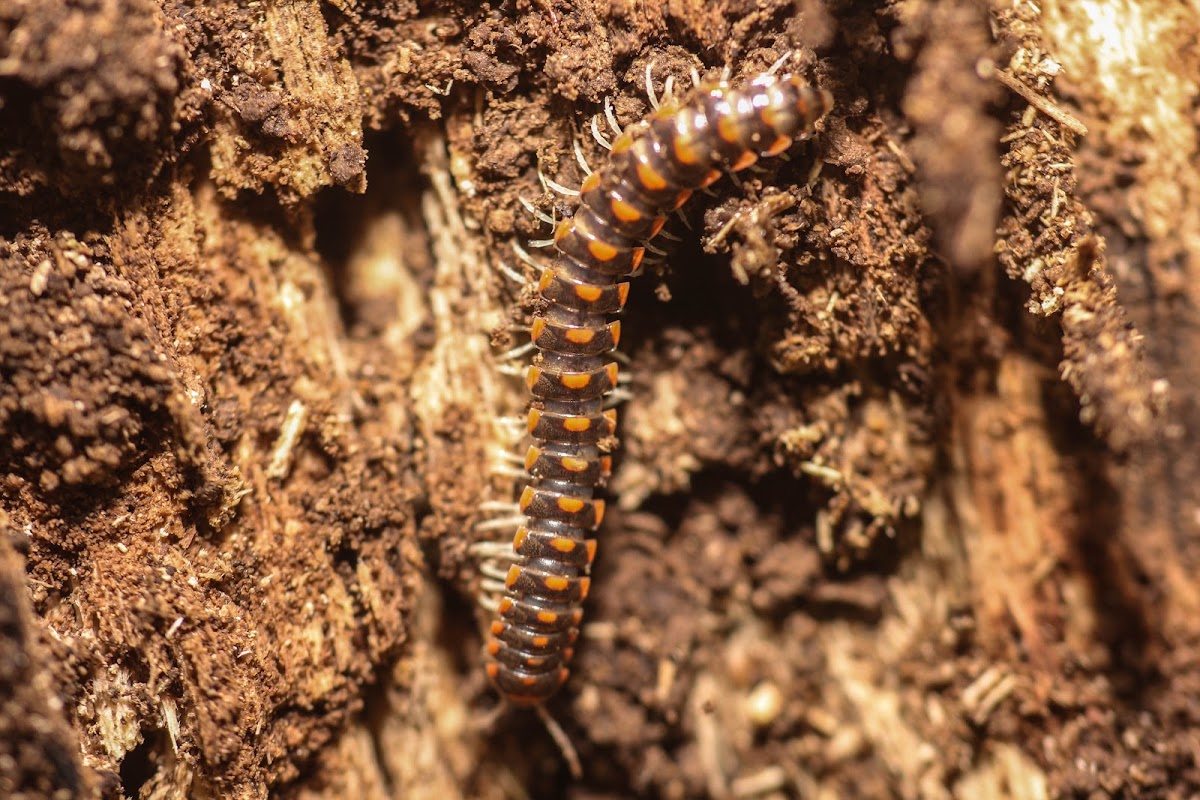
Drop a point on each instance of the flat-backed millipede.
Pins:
(652, 169)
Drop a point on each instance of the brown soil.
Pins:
(901, 510)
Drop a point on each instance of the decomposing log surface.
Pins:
(908, 479)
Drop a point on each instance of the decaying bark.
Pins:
(907, 501)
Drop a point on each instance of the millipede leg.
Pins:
(512, 274)
(517, 352)
(570, 754)
(493, 550)
(618, 397)
(779, 62)
(650, 85)
(582, 161)
(499, 524)
(505, 471)
(494, 572)
(599, 137)
(553, 185)
(506, 456)
(541, 216)
(611, 116)
(523, 254)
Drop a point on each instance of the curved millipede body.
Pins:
(652, 170)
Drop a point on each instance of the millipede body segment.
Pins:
(653, 168)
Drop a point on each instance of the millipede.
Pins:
(653, 168)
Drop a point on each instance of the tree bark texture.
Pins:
(907, 501)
